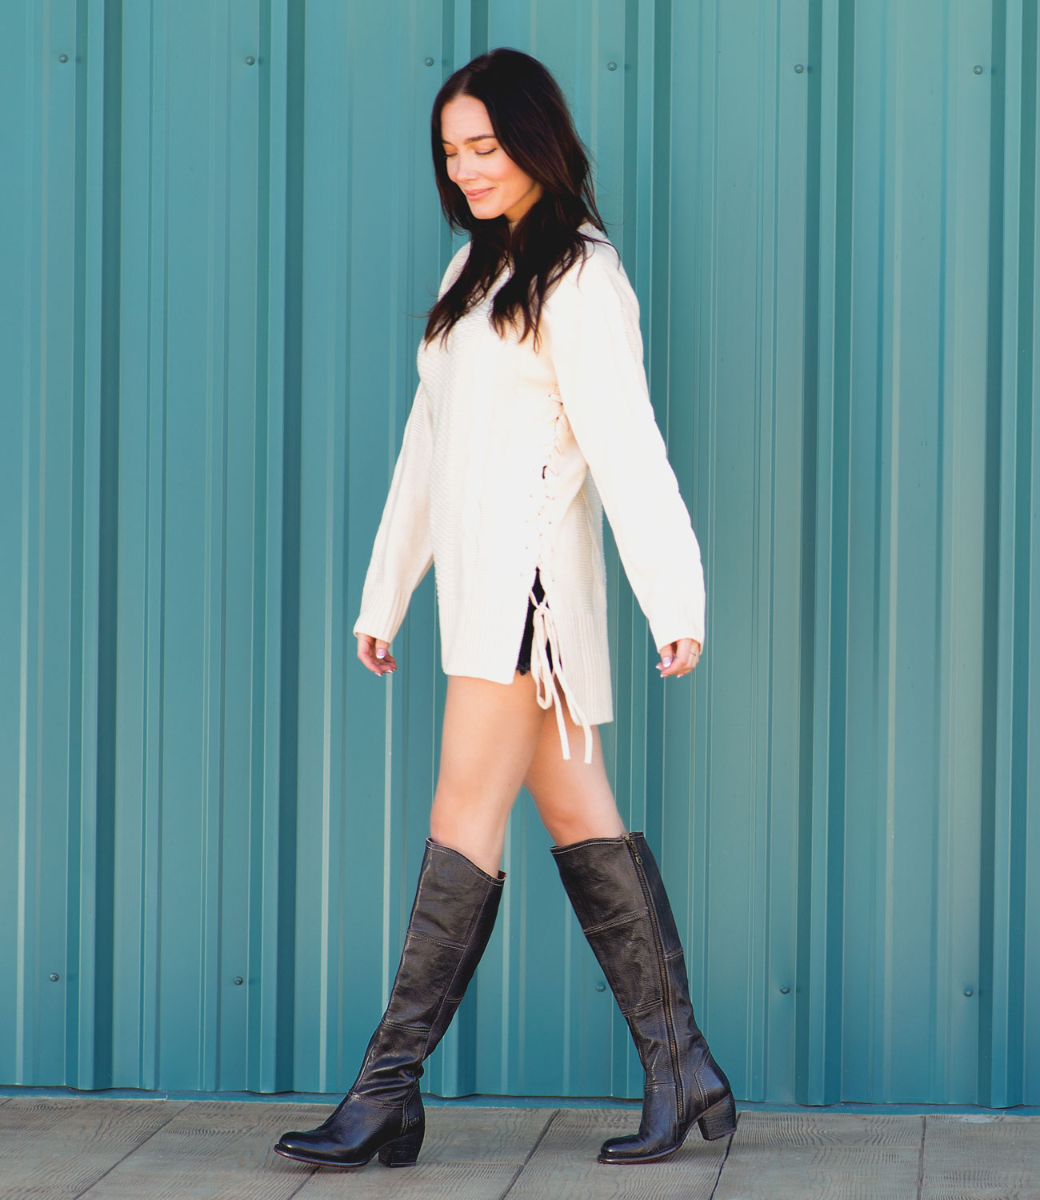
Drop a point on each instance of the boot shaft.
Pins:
(452, 918)
(615, 890)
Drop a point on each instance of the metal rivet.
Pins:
(428, 60)
(611, 66)
(969, 991)
(55, 978)
(784, 989)
(63, 58)
(238, 981)
(601, 987)
(978, 70)
(250, 60)
(798, 68)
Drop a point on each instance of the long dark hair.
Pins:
(530, 119)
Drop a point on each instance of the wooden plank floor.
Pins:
(827, 1156)
(64, 1149)
(980, 1158)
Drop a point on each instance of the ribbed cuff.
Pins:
(382, 612)
(676, 627)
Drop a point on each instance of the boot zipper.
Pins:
(666, 992)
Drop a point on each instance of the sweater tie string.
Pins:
(545, 686)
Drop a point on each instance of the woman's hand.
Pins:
(375, 654)
(679, 658)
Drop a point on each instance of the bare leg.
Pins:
(573, 797)
(488, 739)
(496, 737)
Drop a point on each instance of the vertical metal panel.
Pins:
(215, 269)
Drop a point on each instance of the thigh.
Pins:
(573, 797)
(488, 738)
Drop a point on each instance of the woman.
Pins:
(532, 406)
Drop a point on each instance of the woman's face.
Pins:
(492, 183)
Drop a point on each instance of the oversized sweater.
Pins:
(509, 457)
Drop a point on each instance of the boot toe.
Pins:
(294, 1145)
(293, 1142)
(318, 1149)
(619, 1150)
(633, 1150)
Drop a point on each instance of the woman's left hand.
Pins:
(679, 658)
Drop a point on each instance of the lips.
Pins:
(478, 194)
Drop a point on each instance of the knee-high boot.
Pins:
(621, 904)
(452, 917)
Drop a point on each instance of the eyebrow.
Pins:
(481, 137)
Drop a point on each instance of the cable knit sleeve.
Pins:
(402, 552)
(597, 350)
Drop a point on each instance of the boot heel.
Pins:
(720, 1120)
(404, 1151)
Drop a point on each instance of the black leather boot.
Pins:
(620, 901)
(452, 917)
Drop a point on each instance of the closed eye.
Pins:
(482, 153)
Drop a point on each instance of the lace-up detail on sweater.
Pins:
(545, 677)
(543, 671)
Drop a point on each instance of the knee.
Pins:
(457, 813)
(571, 821)
(469, 829)
(566, 832)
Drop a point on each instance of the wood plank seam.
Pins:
(530, 1154)
(725, 1158)
(133, 1150)
(303, 1182)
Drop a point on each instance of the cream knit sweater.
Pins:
(508, 459)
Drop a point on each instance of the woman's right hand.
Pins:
(375, 654)
(679, 658)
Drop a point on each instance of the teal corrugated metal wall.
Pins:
(219, 224)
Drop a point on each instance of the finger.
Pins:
(367, 646)
(381, 666)
(667, 664)
(677, 663)
(686, 657)
(692, 657)
(695, 654)
(682, 656)
(384, 657)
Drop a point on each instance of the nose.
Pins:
(465, 168)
